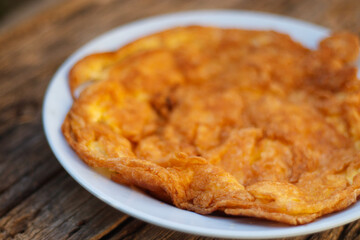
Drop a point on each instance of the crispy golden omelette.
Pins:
(249, 123)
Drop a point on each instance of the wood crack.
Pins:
(27, 172)
(350, 231)
(35, 213)
(28, 193)
(78, 227)
(117, 229)
(126, 229)
(344, 232)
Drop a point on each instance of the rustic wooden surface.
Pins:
(38, 199)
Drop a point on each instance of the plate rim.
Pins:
(296, 230)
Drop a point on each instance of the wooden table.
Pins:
(38, 199)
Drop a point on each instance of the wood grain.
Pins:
(38, 200)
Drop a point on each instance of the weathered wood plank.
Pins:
(351, 231)
(332, 234)
(40, 201)
(136, 229)
(100, 225)
(61, 209)
(128, 229)
(19, 162)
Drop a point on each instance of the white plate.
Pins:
(58, 101)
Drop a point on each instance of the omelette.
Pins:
(244, 122)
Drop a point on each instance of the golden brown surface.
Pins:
(245, 122)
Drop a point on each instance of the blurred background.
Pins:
(331, 13)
